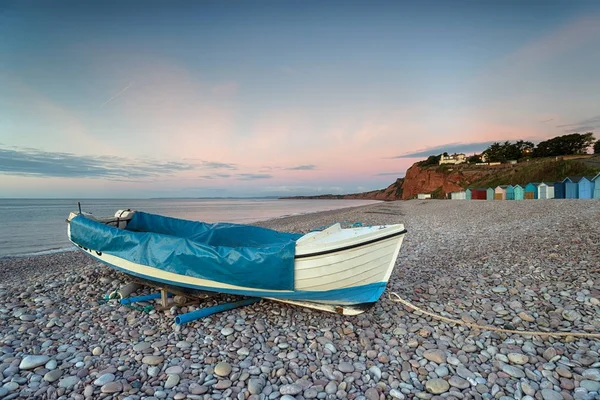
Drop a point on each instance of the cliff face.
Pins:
(440, 180)
(427, 180)
(392, 192)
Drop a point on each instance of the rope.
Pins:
(490, 328)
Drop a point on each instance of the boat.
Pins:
(344, 270)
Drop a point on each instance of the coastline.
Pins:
(526, 264)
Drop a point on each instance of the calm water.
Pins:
(33, 226)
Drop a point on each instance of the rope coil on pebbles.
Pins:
(399, 299)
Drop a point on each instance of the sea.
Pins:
(38, 226)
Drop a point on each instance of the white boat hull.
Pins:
(332, 268)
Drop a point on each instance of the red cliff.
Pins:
(429, 180)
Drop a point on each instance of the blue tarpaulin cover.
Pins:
(235, 254)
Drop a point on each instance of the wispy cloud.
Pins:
(581, 129)
(309, 167)
(126, 88)
(588, 124)
(251, 177)
(32, 162)
(390, 173)
(218, 165)
(215, 176)
(449, 148)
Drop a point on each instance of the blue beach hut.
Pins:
(571, 191)
(490, 194)
(519, 192)
(510, 192)
(531, 191)
(585, 187)
(596, 181)
(559, 190)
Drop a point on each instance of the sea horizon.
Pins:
(33, 226)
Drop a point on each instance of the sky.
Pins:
(277, 98)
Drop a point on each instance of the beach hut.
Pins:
(585, 187)
(510, 192)
(571, 191)
(545, 191)
(531, 191)
(468, 194)
(478, 194)
(596, 180)
(458, 195)
(500, 192)
(559, 190)
(490, 194)
(519, 192)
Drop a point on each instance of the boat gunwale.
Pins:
(351, 246)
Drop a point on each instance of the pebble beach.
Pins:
(520, 265)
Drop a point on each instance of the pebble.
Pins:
(591, 374)
(435, 355)
(591, 386)
(513, 371)
(518, 358)
(437, 386)
(548, 394)
(52, 376)
(31, 362)
(227, 331)
(112, 387)
(456, 260)
(172, 381)
(291, 389)
(104, 379)
(346, 367)
(153, 360)
(256, 386)
(223, 369)
(458, 382)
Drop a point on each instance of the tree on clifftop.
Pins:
(574, 143)
(508, 151)
(597, 147)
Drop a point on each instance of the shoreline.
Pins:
(66, 249)
(529, 265)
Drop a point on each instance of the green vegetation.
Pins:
(574, 143)
(548, 171)
(508, 151)
(431, 160)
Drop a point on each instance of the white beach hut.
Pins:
(545, 191)
(458, 195)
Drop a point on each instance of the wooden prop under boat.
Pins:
(342, 270)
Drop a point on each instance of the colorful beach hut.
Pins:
(468, 194)
(510, 192)
(490, 194)
(478, 194)
(585, 187)
(559, 190)
(519, 192)
(571, 191)
(545, 191)
(596, 180)
(531, 191)
(500, 192)
(458, 195)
